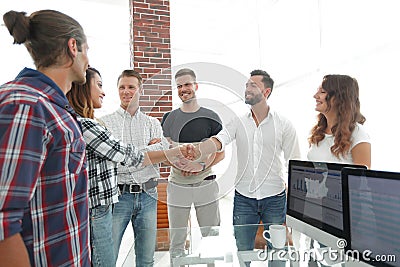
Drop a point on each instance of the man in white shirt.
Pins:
(262, 136)
(138, 186)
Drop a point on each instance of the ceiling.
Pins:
(111, 2)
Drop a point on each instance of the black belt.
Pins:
(138, 188)
(210, 178)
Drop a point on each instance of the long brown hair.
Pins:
(346, 101)
(80, 98)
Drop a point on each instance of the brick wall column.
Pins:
(151, 56)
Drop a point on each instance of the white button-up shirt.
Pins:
(261, 171)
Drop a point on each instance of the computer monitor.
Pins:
(372, 216)
(314, 203)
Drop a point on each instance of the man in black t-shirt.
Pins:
(191, 123)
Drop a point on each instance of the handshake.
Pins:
(192, 159)
(189, 161)
(190, 152)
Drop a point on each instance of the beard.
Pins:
(254, 100)
(80, 80)
(80, 77)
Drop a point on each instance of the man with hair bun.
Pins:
(43, 177)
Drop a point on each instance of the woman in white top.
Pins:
(339, 134)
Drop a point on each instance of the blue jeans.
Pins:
(101, 236)
(141, 210)
(247, 213)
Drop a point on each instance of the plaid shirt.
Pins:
(138, 129)
(103, 154)
(43, 178)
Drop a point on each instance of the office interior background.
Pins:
(297, 42)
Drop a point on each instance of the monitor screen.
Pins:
(372, 216)
(315, 194)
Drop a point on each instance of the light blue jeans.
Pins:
(247, 213)
(141, 210)
(101, 236)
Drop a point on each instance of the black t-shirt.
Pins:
(185, 127)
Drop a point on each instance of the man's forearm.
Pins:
(214, 159)
(218, 157)
(13, 252)
(209, 146)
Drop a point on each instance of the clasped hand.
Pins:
(188, 162)
(189, 152)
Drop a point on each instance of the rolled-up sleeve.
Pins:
(227, 134)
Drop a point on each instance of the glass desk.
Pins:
(218, 248)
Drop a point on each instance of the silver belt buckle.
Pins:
(135, 188)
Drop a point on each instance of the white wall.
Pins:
(106, 24)
(298, 42)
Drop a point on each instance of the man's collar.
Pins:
(249, 114)
(123, 112)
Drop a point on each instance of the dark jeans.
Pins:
(247, 213)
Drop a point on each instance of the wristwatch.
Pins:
(203, 165)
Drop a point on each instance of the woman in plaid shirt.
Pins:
(103, 153)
